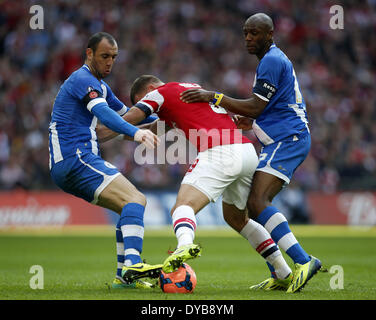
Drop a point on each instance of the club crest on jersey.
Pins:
(93, 94)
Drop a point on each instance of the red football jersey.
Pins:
(203, 124)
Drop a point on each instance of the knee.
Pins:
(137, 197)
(140, 198)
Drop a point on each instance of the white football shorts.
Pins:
(225, 170)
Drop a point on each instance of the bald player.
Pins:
(276, 112)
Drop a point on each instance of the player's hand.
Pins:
(243, 123)
(196, 95)
(147, 138)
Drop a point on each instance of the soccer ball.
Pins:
(182, 280)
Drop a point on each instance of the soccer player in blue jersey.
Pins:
(280, 124)
(75, 162)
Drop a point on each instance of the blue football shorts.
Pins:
(84, 175)
(282, 158)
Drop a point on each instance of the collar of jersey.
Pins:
(88, 69)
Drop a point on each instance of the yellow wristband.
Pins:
(217, 98)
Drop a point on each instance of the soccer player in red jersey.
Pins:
(224, 166)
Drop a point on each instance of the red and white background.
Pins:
(54, 208)
(351, 208)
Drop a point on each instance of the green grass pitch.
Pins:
(79, 263)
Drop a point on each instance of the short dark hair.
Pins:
(140, 84)
(97, 37)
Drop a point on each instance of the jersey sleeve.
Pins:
(151, 103)
(114, 103)
(88, 90)
(267, 78)
(113, 121)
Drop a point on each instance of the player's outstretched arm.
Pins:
(134, 115)
(142, 136)
(251, 107)
(114, 122)
(104, 134)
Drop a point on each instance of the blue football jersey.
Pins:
(285, 115)
(72, 124)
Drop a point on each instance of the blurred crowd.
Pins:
(192, 41)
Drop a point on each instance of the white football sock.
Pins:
(184, 224)
(262, 242)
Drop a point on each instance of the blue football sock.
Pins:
(132, 228)
(119, 249)
(279, 229)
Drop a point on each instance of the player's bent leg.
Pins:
(190, 195)
(124, 198)
(132, 227)
(265, 187)
(119, 282)
(95, 181)
(118, 193)
(189, 201)
(236, 215)
(261, 241)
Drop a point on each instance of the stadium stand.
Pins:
(196, 41)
